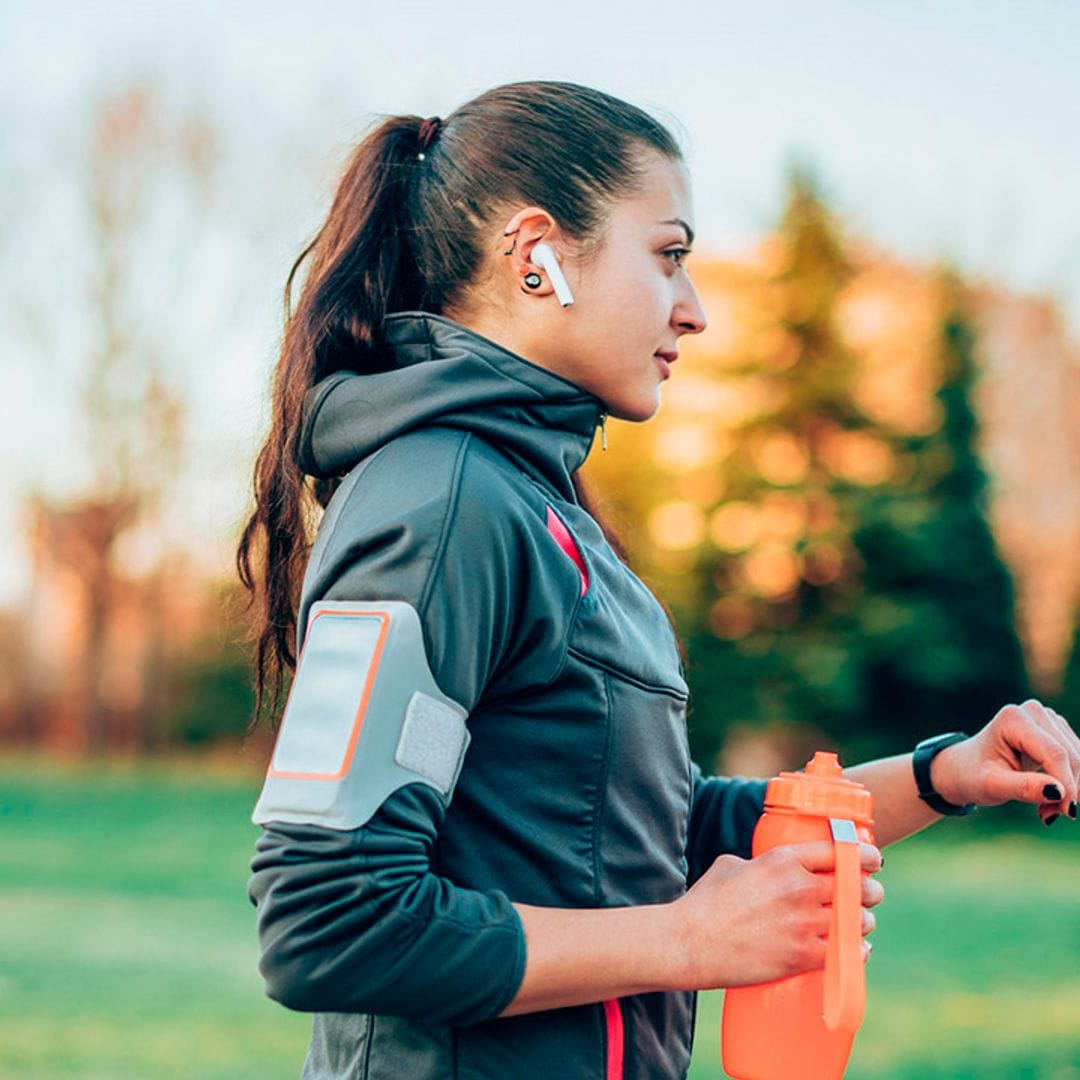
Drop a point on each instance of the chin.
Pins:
(634, 411)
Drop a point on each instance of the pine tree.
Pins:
(777, 645)
(937, 627)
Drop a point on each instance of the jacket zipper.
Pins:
(603, 431)
(615, 1039)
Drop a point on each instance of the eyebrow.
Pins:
(679, 221)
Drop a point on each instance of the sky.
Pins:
(936, 129)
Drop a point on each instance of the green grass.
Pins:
(128, 946)
(127, 943)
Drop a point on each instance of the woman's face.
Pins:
(633, 299)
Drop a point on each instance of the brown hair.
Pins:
(410, 233)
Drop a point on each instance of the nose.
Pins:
(688, 316)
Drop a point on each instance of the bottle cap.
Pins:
(821, 789)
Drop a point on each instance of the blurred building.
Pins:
(1029, 407)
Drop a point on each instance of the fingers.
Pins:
(1030, 787)
(869, 923)
(873, 892)
(870, 858)
(1031, 731)
(819, 856)
(1066, 767)
(1072, 747)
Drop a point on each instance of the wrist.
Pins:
(946, 776)
(679, 952)
(938, 767)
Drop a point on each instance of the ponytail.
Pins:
(353, 275)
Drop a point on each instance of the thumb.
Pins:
(1003, 784)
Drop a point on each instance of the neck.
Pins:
(525, 334)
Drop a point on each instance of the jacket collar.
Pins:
(442, 373)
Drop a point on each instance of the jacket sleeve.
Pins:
(357, 921)
(723, 813)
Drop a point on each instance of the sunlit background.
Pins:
(860, 499)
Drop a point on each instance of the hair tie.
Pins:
(429, 129)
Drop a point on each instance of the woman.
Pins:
(541, 890)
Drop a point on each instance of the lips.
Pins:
(670, 357)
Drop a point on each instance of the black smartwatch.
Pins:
(920, 762)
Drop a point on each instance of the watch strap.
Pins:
(924, 754)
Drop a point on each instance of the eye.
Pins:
(678, 253)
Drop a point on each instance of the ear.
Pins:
(521, 235)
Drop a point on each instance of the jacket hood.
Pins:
(442, 373)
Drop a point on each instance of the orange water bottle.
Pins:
(802, 1027)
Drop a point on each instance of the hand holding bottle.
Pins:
(752, 921)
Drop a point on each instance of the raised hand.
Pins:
(1027, 753)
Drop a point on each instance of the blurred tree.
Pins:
(79, 536)
(785, 574)
(215, 699)
(937, 627)
(1067, 702)
(132, 413)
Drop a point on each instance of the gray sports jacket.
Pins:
(395, 926)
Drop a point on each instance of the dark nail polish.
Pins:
(1052, 792)
(1071, 811)
(1051, 819)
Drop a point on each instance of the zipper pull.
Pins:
(603, 431)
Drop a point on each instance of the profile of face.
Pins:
(633, 299)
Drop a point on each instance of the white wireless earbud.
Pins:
(544, 257)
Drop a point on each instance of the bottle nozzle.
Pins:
(821, 788)
(824, 764)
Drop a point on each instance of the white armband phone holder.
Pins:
(364, 717)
